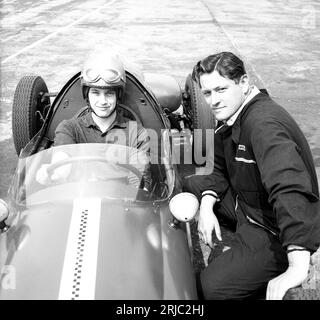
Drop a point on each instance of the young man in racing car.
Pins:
(264, 184)
(103, 82)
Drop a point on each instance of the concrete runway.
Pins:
(278, 39)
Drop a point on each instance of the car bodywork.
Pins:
(92, 238)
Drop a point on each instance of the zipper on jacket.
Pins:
(253, 221)
(236, 206)
(223, 125)
(260, 225)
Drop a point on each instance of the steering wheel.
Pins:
(71, 160)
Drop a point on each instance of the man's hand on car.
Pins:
(208, 221)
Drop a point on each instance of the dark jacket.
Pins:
(266, 160)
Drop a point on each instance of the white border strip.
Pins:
(63, 29)
(88, 270)
(244, 160)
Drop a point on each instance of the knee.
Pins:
(218, 287)
(211, 289)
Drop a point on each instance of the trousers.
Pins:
(256, 255)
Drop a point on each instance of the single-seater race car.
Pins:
(93, 235)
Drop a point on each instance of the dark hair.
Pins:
(226, 64)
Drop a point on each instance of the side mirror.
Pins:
(184, 206)
(4, 213)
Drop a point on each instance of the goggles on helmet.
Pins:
(109, 76)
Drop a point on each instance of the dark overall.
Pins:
(265, 178)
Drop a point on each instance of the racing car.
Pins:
(93, 235)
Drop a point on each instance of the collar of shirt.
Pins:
(254, 91)
(234, 123)
(119, 121)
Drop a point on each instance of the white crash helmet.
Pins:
(103, 70)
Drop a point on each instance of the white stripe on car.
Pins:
(78, 278)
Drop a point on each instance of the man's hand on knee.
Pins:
(296, 273)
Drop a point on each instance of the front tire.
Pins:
(28, 109)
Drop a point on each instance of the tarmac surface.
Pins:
(278, 40)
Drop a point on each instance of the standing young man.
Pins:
(264, 185)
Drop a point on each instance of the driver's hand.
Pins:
(61, 173)
(42, 175)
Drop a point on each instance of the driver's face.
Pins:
(102, 101)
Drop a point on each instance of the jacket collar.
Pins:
(236, 127)
(253, 92)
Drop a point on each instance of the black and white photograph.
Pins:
(159, 150)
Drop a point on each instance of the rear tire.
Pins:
(202, 118)
(26, 121)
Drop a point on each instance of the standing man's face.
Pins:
(223, 95)
(102, 101)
